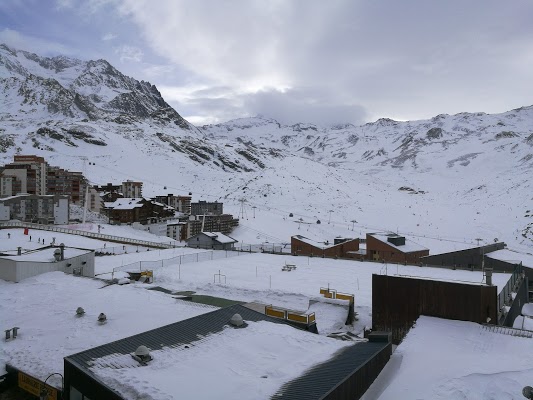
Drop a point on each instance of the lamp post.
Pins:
(44, 392)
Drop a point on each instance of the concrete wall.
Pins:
(61, 211)
(4, 212)
(8, 270)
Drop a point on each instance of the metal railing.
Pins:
(505, 297)
(505, 330)
(93, 235)
(182, 259)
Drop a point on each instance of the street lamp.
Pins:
(44, 392)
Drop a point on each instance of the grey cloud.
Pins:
(409, 59)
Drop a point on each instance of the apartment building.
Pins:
(40, 209)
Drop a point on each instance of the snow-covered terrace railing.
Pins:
(182, 259)
(505, 330)
(505, 298)
(100, 236)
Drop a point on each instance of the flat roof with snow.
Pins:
(125, 203)
(45, 312)
(219, 237)
(46, 254)
(320, 245)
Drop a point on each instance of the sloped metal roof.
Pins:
(176, 334)
(313, 384)
(320, 380)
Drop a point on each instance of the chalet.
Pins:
(391, 247)
(341, 247)
(137, 209)
(211, 240)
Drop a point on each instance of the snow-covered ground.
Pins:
(455, 360)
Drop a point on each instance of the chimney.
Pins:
(488, 276)
(19, 251)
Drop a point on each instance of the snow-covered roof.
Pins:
(219, 237)
(50, 329)
(262, 356)
(408, 247)
(512, 257)
(46, 254)
(127, 203)
(319, 245)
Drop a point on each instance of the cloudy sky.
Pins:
(297, 60)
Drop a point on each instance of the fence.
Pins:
(505, 297)
(274, 248)
(93, 235)
(182, 259)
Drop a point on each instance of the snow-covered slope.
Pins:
(453, 177)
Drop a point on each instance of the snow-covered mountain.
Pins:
(455, 177)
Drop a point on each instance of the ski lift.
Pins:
(318, 222)
(190, 193)
(164, 187)
(290, 215)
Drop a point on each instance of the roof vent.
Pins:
(102, 319)
(80, 311)
(237, 321)
(142, 355)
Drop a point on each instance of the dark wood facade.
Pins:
(301, 247)
(397, 302)
(146, 212)
(377, 250)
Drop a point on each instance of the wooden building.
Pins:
(391, 247)
(397, 302)
(129, 210)
(340, 248)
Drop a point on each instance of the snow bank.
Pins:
(448, 360)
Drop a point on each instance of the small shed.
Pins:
(18, 266)
(211, 240)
